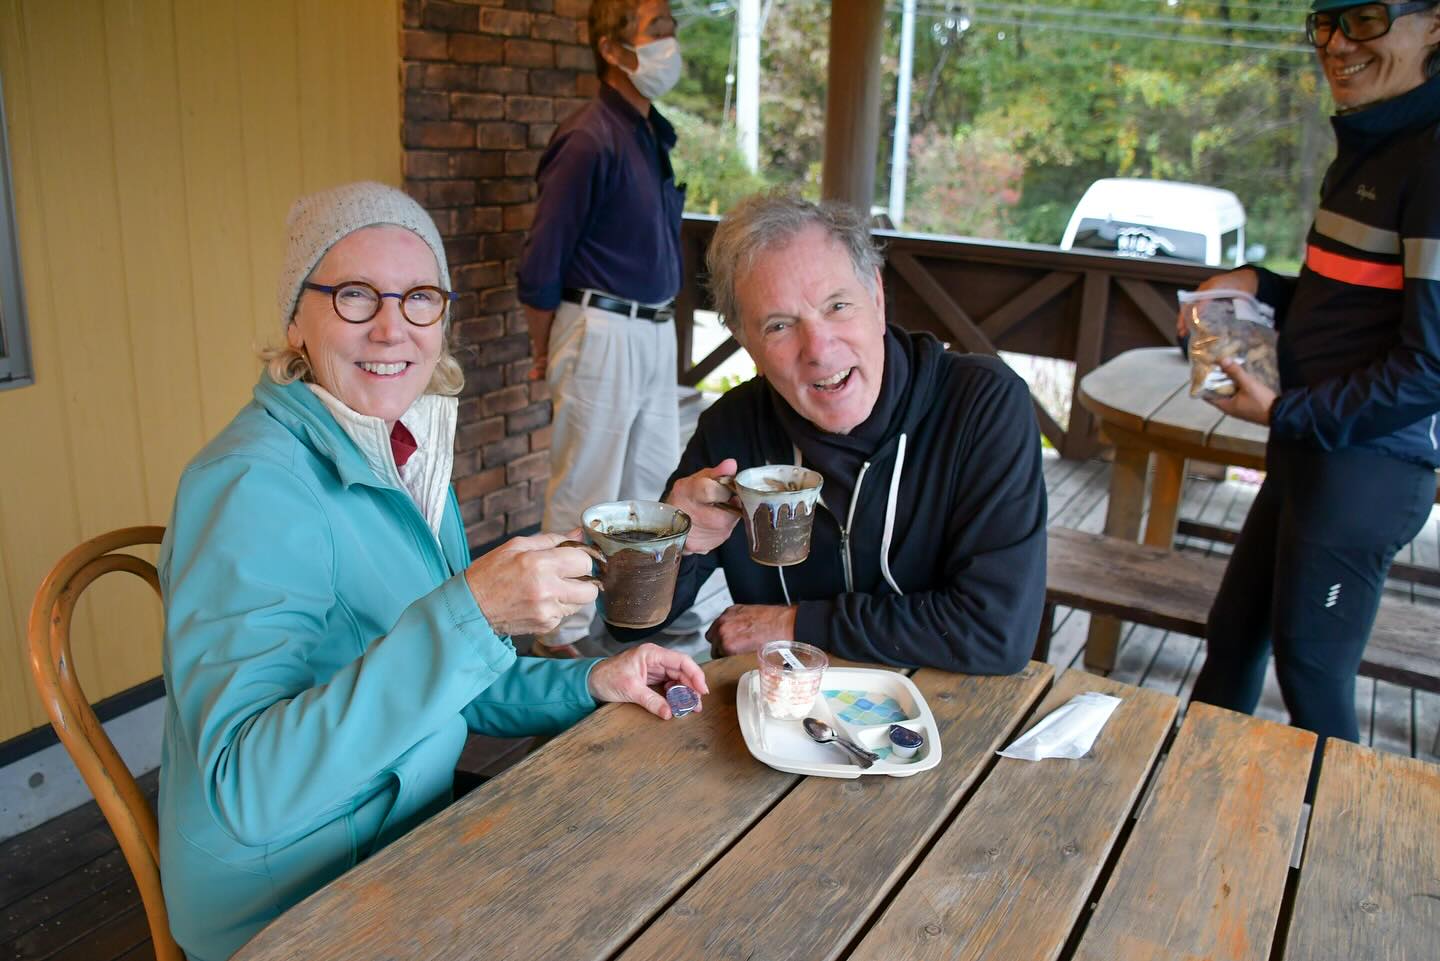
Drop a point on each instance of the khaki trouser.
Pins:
(616, 421)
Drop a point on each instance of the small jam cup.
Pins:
(790, 676)
(904, 742)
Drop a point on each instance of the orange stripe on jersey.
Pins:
(1348, 270)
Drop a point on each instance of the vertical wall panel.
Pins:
(271, 127)
(96, 416)
(217, 207)
(156, 145)
(35, 489)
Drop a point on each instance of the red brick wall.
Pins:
(486, 81)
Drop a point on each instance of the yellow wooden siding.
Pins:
(155, 148)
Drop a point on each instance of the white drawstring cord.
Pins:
(890, 516)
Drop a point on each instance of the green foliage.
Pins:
(966, 182)
(708, 160)
(719, 384)
(1018, 107)
(705, 43)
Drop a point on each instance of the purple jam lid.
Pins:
(682, 700)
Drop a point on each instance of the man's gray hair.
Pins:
(762, 222)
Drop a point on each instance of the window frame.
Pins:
(15, 365)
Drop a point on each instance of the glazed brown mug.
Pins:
(637, 546)
(777, 503)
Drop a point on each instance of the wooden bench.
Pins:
(1173, 590)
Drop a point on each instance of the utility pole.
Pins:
(747, 81)
(900, 149)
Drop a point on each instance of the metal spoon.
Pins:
(820, 731)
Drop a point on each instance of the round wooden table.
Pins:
(1142, 400)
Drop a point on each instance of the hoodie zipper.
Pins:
(845, 529)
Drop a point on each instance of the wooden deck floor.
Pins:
(1392, 718)
(66, 894)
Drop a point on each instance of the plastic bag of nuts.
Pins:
(1228, 324)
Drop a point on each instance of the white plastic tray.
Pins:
(785, 746)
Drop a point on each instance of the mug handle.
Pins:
(595, 554)
(728, 482)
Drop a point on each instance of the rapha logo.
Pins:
(1364, 192)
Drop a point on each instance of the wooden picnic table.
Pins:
(631, 838)
(1142, 401)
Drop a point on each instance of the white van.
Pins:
(1159, 218)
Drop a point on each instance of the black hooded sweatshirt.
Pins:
(937, 558)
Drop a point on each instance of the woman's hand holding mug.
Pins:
(528, 584)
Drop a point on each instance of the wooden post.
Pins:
(685, 303)
(852, 102)
(1089, 352)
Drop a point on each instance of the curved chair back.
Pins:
(120, 798)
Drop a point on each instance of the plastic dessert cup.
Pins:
(790, 676)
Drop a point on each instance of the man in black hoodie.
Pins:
(930, 547)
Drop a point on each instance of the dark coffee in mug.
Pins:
(640, 544)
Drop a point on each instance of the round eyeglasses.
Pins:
(1367, 21)
(357, 302)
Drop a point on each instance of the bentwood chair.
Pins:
(120, 798)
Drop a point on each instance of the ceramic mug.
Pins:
(777, 504)
(637, 546)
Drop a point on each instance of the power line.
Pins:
(1143, 35)
(938, 13)
(1016, 9)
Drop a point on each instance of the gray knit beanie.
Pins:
(320, 221)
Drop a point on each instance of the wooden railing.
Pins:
(984, 297)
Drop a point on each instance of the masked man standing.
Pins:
(598, 276)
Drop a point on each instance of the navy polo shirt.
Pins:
(608, 214)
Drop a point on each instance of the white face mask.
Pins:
(659, 68)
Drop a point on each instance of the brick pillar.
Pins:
(485, 84)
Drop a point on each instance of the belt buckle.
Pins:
(663, 314)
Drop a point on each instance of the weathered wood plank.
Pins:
(64, 891)
(121, 935)
(1368, 881)
(1427, 726)
(1402, 646)
(1073, 497)
(1080, 440)
(825, 857)
(999, 321)
(1204, 869)
(64, 844)
(955, 318)
(1241, 437)
(466, 883)
(77, 923)
(1159, 310)
(1123, 580)
(1122, 522)
(1011, 875)
(145, 951)
(1184, 418)
(1166, 489)
(1174, 590)
(1390, 719)
(25, 876)
(1127, 391)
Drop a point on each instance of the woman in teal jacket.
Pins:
(329, 643)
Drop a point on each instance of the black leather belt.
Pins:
(616, 305)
